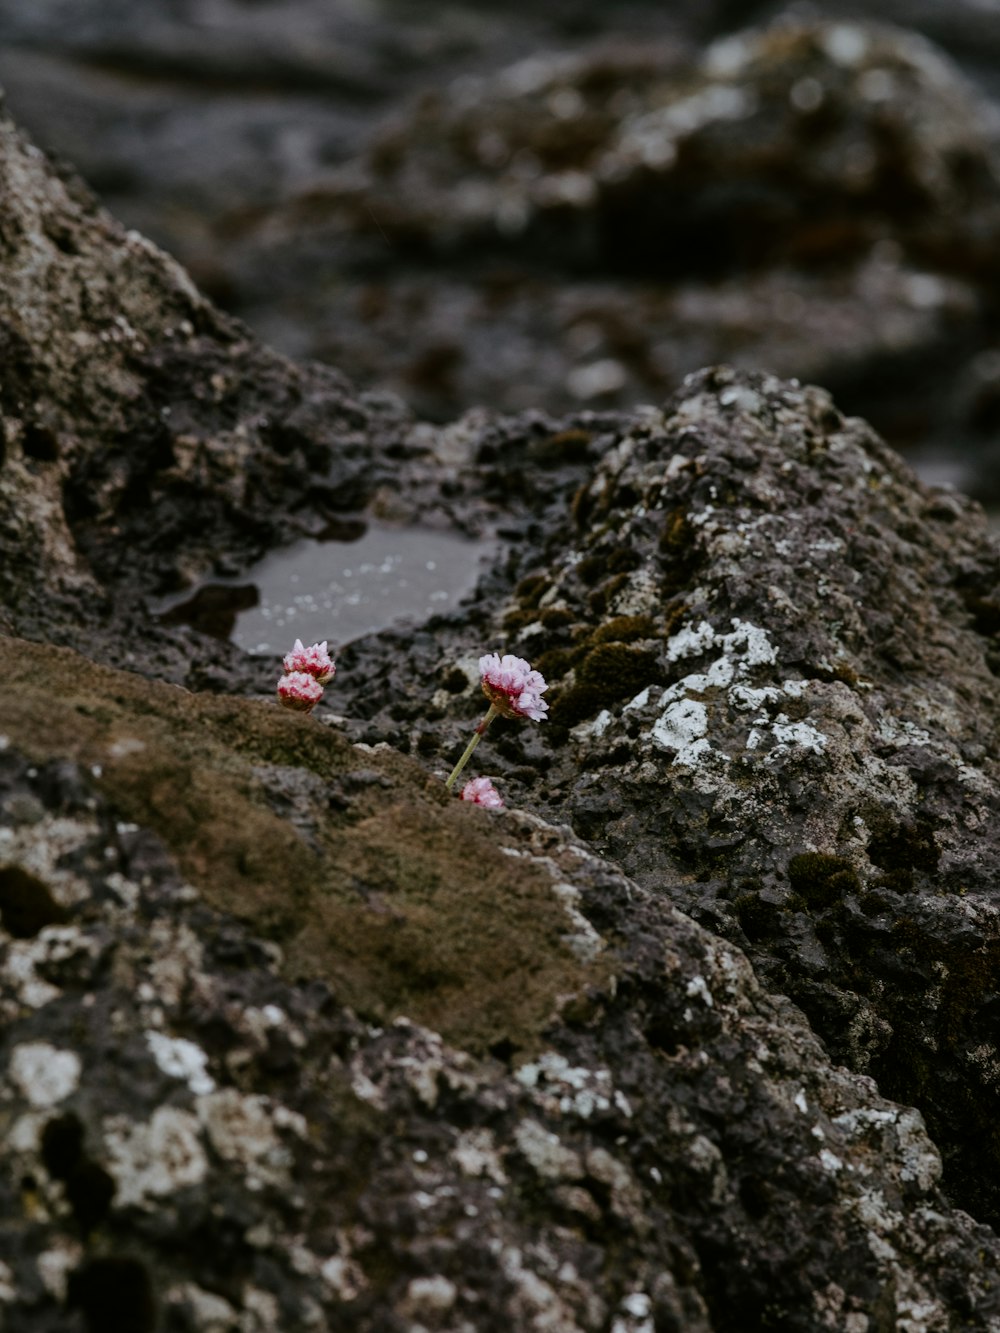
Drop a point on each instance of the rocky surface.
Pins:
(773, 661)
(402, 191)
(146, 438)
(213, 1123)
(820, 201)
(292, 1039)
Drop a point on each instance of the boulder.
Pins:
(773, 656)
(585, 228)
(147, 439)
(816, 195)
(293, 1039)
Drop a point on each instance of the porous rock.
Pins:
(820, 199)
(292, 1039)
(145, 438)
(772, 656)
(200, 1133)
(657, 210)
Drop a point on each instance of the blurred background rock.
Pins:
(568, 205)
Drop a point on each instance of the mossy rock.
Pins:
(624, 629)
(609, 673)
(530, 589)
(822, 880)
(556, 617)
(758, 918)
(601, 597)
(398, 895)
(900, 849)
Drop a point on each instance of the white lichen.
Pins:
(240, 1128)
(181, 1059)
(155, 1157)
(570, 1089)
(43, 1073)
(697, 986)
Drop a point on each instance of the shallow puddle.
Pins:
(335, 590)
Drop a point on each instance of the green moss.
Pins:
(555, 663)
(677, 535)
(582, 506)
(759, 919)
(623, 560)
(530, 589)
(900, 849)
(615, 669)
(624, 629)
(874, 903)
(896, 881)
(674, 614)
(590, 569)
(841, 671)
(600, 598)
(407, 906)
(680, 550)
(519, 617)
(556, 617)
(822, 880)
(607, 674)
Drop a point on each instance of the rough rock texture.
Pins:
(772, 658)
(578, 212)
(146, 439)
(819, 201)
(291, 1039)
(617, 1129)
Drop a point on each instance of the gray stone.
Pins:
(576, 205)
(293, 1039)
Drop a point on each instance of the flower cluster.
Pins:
(307, 670)
(299, 690)
(315, 661)
(514, 690)
(481, 791)
(512, 687)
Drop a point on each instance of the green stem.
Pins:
(477, 736)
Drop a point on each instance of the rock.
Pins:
(773, 664)
(585, 230)
(963, 29)
(190, 123)
(605, 204)
(219, 1122)
(293, 1039)
(147, 439)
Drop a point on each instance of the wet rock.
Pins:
(147, 440)
(190, 123)
(822, 200)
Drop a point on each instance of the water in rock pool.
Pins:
(335, 590)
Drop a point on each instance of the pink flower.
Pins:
(300, 690)
(313, 661)
(481, 791)
(512, 687)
